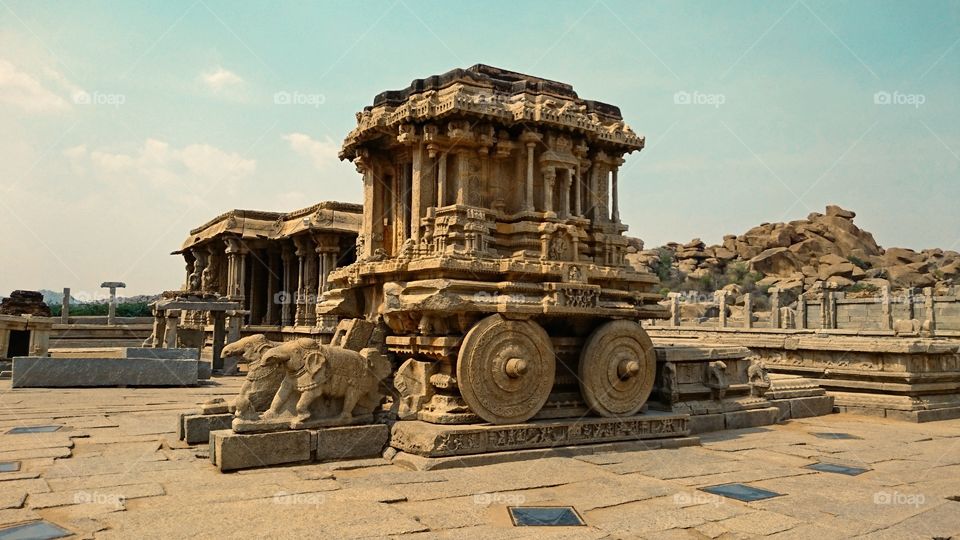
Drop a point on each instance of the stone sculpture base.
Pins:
(433, 440)
(231, 451)
(196, 428)
(910, 409)
(421, 463)
(285, 423)
(45, 372)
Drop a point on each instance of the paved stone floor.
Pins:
(113, 471)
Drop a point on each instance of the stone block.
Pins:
(705, 423)
(806, 407)
(204, 370)
(38, 371)
(351, 442)
(933, 415)
(751, 418)
(230, 451)
(784, 406)
(196, 428)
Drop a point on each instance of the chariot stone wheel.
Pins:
(505, 369)
(617, 369)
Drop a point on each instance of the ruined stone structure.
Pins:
(274, 265)
(493, 252)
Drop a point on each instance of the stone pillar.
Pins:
(832, 320)
(577, 188)
(721, 297)
(801, 313)
(911, 306)
(234, 322)
(442, 181)
(747, 311)
(218, 338)
(565, 194)
(886, 323)
(159, 329)
(39, 342)
(170, 332)
(113, 286)
(549, 179)
(65, 306)
(775, 321)
(304, 252)
(930, 320)
(463, 171)
(253, 303)
(674, 309)
(615, 200)
(272, 279)
(4, 342)
(286, 311)
(528, 193)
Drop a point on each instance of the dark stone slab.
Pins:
(44, 372)
(741, 492)
(35, 530)
(545, 516)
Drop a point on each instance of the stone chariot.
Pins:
(492, 251)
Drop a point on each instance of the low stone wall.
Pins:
(121, 367)
(907, 312)
(916, 379)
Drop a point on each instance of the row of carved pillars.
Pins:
(277, 286)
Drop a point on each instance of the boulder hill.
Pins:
(797, 257)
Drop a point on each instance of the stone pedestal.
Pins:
(433, 440)
(231, 451)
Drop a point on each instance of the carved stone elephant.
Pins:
(262, 382)
(315, 372)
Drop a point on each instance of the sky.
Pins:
(125, 124)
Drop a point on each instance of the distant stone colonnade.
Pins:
(273, 265)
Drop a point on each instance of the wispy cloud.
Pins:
(173, 173)
(220, 79)
(27, 92)
(321, 153)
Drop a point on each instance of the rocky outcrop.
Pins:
(800, 255)
(25, 303)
